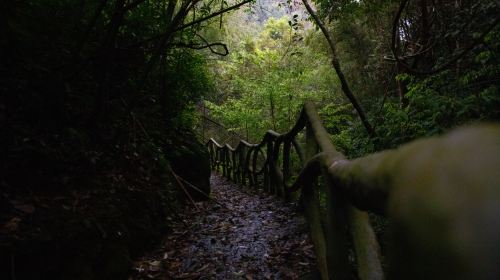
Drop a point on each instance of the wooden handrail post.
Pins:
(254, 164)
(272, 174)
(337, 251)
(215, 153)
(366, 245)
(267, 169)
(277, 172)
(224, 162)
(231, 164)
(273, 167)
(246, 167)
(236, 156)
(310, 202)
(238, 165)
(241, 165)
(230, 158)
(217, 159)
(227, 160)
(287, 145)
(222, 157)
(234, 164)
(212, 156)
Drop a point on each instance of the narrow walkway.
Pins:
(240, 234)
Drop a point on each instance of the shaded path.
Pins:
(243, 235)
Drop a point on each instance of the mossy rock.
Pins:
(190, 161)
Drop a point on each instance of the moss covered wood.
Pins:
(380, 183)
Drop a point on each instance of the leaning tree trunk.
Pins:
(336, 65)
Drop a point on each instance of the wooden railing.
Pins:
(241, 165)
(349, 186)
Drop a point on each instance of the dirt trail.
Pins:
(240, 234)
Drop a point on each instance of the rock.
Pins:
(190, 161)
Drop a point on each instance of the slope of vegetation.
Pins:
(96, 108)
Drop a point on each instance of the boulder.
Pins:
(191, 162)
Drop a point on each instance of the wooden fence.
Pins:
(350, 187)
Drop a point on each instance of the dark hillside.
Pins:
(88, 135)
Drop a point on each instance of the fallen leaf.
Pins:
(26, 208)
(154, 266)
(12, 225)
(202, 268)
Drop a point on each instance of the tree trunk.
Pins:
(336, 65)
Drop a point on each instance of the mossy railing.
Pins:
(330, 240)
(364, 184)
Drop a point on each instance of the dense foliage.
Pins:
(267, 79)
(444, 73)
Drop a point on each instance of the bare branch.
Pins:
(194, 22)
(340, 74)
(213, 15)
(206, 45)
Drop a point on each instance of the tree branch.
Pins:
(336, 65)
(206, 45)
(174, 25)
(156, 37)
(444, 66)
(213, 15)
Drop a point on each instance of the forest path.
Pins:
(241, 233)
